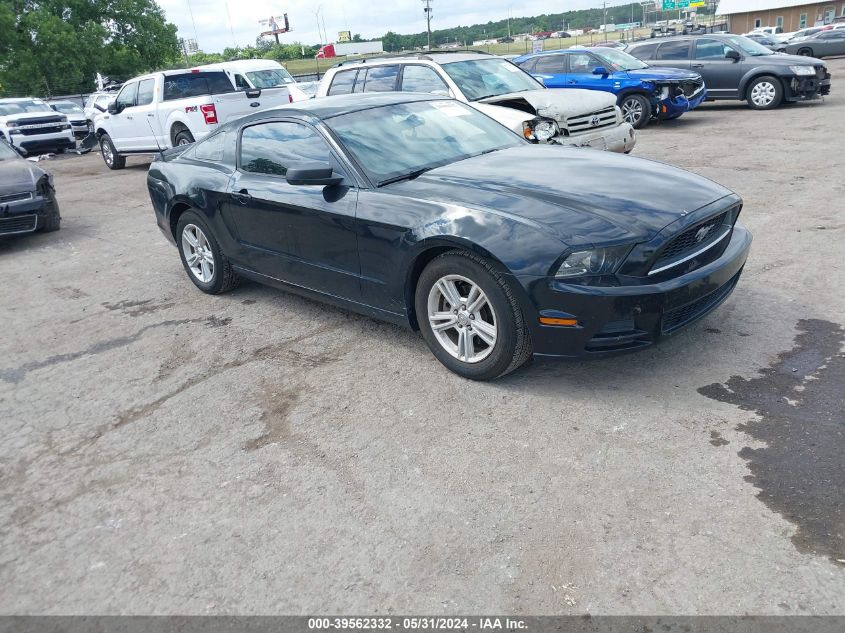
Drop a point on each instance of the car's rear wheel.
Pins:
(636, 110)
(469, 317)
(765, 93)
(201, 256)
(806, 52)
(111, 158)
(184, 138)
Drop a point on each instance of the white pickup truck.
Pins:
(176, 107)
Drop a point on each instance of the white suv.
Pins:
(499, 89)
(33, 126)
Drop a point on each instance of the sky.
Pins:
(370, 18)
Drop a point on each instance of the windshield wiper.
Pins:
(409, 176)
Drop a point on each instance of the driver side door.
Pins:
(579, 72)
(122, 124)
(721, 74)
(301, 234)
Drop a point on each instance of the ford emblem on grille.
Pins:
(701, 233)
(595, 120)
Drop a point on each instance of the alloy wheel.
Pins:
(198, 255)
(108, 155)
(632, 111)
(462, 318)
(763, 93)
(184, 141)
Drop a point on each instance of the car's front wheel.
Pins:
(470, 318)
(111, 158)
(636, 110)
(765, 93)
(202, 258)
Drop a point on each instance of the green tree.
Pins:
(52, 47)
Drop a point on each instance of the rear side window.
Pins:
(342, 82)
(211, 148)
(710, 49)
(551, 64)
(381, 79)
(645, 51)
(417, 78)
(673, 50)
(196, 85)
(145, 91)
(270, 148)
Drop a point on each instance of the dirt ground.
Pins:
(169, 452)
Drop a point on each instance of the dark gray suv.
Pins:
(736, 67)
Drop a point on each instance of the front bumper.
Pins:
(34, 143)
(617, 319)
(621, 138)
(28, 215)
(672, 108)
(806, 88)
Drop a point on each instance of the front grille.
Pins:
(40, 120)
(691, 87)
(18, 224)
(693, 239)
(16, 197)
(617, 336)
(592, 121)
(679, 317)
(41, 130)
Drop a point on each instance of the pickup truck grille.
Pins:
(41, 121)
(592, 121)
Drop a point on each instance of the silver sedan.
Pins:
(823, 44)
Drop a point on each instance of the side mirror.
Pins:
(316, 173)
(733, 55)
(113, 108)
(600, 70)
(252, 93)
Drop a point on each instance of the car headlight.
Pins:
(597, 261)
(803, 70)
(539, 129)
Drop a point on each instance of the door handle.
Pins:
(129, 118)
(697, 66)
(572, 81)
(151, 114)
(242, 196)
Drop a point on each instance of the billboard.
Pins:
(344, 36)
(276, 24)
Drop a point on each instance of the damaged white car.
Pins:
(496, 87)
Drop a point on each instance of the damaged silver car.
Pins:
(499, 89)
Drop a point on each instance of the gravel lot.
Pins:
(170, 452)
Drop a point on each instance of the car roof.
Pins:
(328, 107)
(439, 57)
(21, 99)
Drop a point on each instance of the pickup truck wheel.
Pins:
(184, 138)
(636, 110)
(202, 258)
(111, 158)
(765, 93)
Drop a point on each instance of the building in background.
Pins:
(791, 15)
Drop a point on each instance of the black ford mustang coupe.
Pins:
(27, 198)
(422, 211)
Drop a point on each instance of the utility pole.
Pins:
(427, 10)
(604, 8)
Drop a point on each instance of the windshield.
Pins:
(23, 107)
(483, 78)
(748, 46)
(269, 78)
(68, 108)
(398, 140)
(6, 152)
(618, 60)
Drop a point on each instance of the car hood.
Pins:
(18, 175)
(578, 195)
(666, 74)
(26, 116)
(790, 60)
(557, 104)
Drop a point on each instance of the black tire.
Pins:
(223, 278)
(806, 52)
(513, 339)
(636, 103)
(771, 93)
(183, 138)
(111, 158)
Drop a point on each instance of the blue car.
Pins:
(643, 92)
